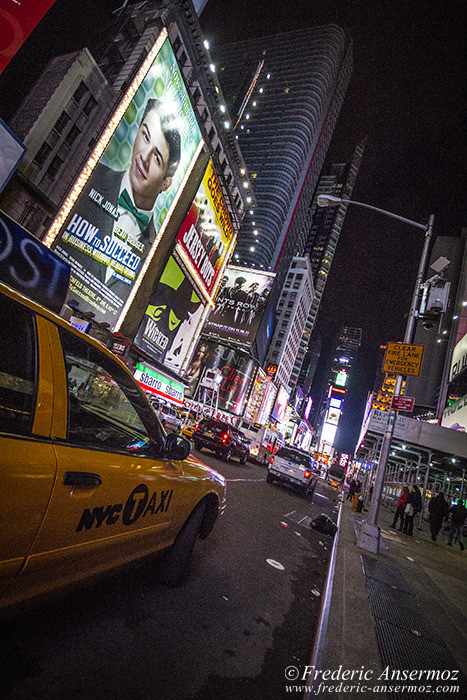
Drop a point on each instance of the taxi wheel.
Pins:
(308, 492)
(269, 478)
(174, 562)
(228, 455)
(197, 446)
(244, 459)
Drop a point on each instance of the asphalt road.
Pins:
(248, 609)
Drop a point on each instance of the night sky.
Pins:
(406, 96)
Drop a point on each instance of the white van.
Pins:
(264, 442)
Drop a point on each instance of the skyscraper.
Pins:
(284, 94)
(318, 240)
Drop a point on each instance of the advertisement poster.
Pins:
(257, 395)
(171, 318)
(280, 406)
(240, 304)
(237, 370)
(114, 223)
(207, 231)
(29, 266)
(17, 20)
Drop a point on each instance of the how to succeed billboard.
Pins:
(116, 221)
(240, 304)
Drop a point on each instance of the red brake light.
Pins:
(225, 437)
(271, 460)
(307, 474)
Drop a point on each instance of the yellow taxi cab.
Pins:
(89, 480)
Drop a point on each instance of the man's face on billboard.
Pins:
(149, 162)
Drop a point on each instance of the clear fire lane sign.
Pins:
(400, 358)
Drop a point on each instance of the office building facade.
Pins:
(284, 94)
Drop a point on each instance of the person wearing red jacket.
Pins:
(400, 510)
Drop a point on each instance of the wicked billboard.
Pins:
(236, 369)
(240, 304)
(127, 194)
(172, 317)
(206, 232)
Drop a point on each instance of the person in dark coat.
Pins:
(414, 499)
(400, 510)
(353, 489)
(438, 508)
(458, 515)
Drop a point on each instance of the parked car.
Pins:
(294, 467)
(168, 416)
(89, 479)
(222, 438)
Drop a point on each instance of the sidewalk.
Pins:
(405, 608)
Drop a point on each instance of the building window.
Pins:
(61, 122)
(54, 167)
(42, 154)
(80, 92)
(72, 135)
(89, 106)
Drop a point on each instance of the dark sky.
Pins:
(406, 96)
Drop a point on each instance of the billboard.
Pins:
(30, 267)
(240, 304)
(171, 318)
(127, 194)
(159, 384)
(237, 370)
(11, 152)
(16, 23)
(280, 405)
(206, 232)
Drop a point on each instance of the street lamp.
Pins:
(368, 537)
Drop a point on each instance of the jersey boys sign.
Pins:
(207, 230)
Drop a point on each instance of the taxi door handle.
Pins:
(81, 479)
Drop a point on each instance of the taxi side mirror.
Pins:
(176, 447)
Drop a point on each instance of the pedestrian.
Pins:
(438, 508)
(352, 489)
(400, 509)
(458, 515)
(414, 506)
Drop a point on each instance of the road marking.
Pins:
(321, 496)
(275, 564)
(244, 479)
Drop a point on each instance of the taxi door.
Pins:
(112, 501)
(27, 457)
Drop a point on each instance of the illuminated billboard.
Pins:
(280, 405)
(236, 368)
(112, 222)
(206, 233)
(17, 20)
(29, 266)
(240, 304)
(171, 318)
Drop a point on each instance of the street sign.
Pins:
(402, 403)
(400, 358)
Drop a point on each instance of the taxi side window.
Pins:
(18, 366)
(100, 413)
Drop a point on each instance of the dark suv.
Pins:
(222, 438)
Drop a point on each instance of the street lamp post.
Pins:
(369, 535)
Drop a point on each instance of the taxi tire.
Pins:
(269, 478)
(196, 445)
(244, 459)
(174, 562)
(228, 455)
(308, 492)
